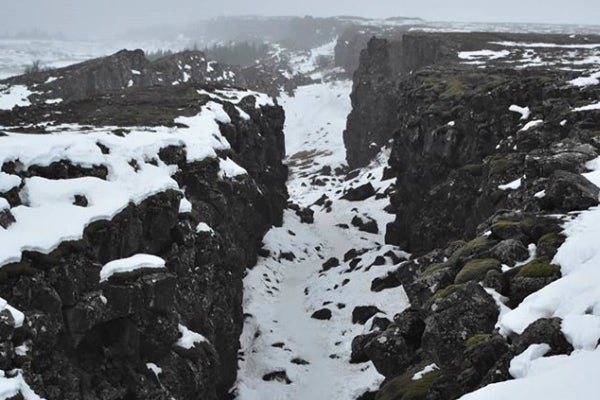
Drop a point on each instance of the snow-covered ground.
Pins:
(312, 356)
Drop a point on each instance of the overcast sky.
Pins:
(105, 16)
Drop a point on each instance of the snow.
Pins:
(54, 101)
(590, 107)
(483, 54)
(51, 201)
(514, 185)
(540, 195)
(532, 124)
(429, 368)
(14, 96)
(524, 111)
(550, 378)
(8, 182)
(130, 264)
(584, 81)
(229, 169)
(17, 315)
(189, 338)
(521, 364)
(575, 298)
(548, 45)
(318, 137)
(11, 387)
(185, 206)
(51, 79)
(203, 227)
(156, 370)
(280, 295)
(236, 95)
(135, 72)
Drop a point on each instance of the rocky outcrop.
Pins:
(128, 68)
(127, 337)
(392, 57)
(481, 187)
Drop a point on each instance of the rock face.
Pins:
(391, 58)
(122, 338)
(128, 68)
(479, 194)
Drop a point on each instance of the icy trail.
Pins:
(286, 354)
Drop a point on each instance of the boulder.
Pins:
(359, 193)
(566, 191)
(456, 316)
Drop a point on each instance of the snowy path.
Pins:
(302, 357)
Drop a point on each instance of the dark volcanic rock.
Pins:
(545, 330)
(566, 191)
(455, 318)
(322, 314)
(365, 224)
(359, 193)
(91, 339)
(361, 314)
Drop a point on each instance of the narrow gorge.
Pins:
(394, 214)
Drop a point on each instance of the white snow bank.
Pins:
(483, 54)
(7, 182)
(17, 315)
(584, 81)
(10, 387)
(154, 368)
(49, 203)
(185, 206)
(532, 124)
(521, 364)
(203, 227)
(189, 338)
(14, 96)
(514, 185)
(229, 169)
(590, 107)
(524, 111)
(548, 45)
(236, 95)
(133, 263)
(429, 368)
(550, 378)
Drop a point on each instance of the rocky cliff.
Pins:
(131, 68)
(488, 162)
(142, 332)
(395, 55)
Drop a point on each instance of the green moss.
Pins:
(478, 243)
(549, 238)
(473, 340)
(541, 267)
(499, 166)
(476, 269)
(473, 169)
(447, 291)
(527, 225)
(405, 388)
(502, 224)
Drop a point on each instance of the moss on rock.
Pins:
(476, 269)
(541, 267)
(405, 388)
(473, 340)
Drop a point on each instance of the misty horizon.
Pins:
(112, 18)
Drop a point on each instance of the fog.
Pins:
(88, 18)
